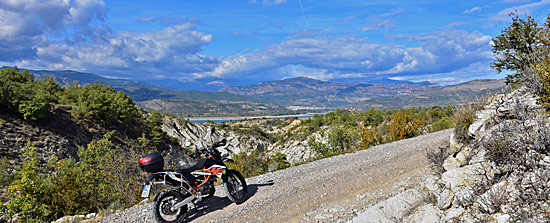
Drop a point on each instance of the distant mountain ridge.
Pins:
(65, 77)
(185, 103)
(308, 92)
(283, 96)
(448, 95)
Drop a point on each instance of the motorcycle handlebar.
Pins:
(203, 150)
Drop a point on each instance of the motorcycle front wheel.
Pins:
(163, 204)
(235, 186)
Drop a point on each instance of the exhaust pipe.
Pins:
(183, 203)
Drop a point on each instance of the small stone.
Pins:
(454, 213)
(501, 218)
(451, 163)
(445, 199)
(91, 215)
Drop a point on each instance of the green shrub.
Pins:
(100, 102)
(21, 93)
(442, 124)
(5, 176)
(31, 191)
(249, 165)
(102, 177)
(280, 160)
(463, 118)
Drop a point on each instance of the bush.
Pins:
(100, 102)
(249, 165)
(403, 126)
(279, 159)
(30, 192)
(463, 118)
(437, 157)
(102, 177)
(442, 124)
(370, 137)
(21, 93)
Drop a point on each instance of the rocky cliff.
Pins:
(497, 172)
(201, 135)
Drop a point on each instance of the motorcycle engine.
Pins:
(207, 189)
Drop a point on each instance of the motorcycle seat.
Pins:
(197, 166)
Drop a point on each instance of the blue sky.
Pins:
(258, 40)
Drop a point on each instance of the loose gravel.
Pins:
(327, 190)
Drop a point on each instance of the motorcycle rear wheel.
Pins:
(163, 202)
(235, 186)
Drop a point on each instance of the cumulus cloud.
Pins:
(472, 10)
(174, 49)
(89, 44)
(24, 23)
(353, 56)
(85, 42)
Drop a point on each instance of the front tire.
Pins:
(163, 202)
(235, 186)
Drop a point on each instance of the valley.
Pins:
(291, 96)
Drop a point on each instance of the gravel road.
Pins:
(328, 190)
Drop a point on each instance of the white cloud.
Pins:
(526, 9)
(24, 23)
(273, 2)
(440, 52)
(92, 46)
(377, 25)
(472, 10)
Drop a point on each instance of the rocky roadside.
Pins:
(499, 174)
(335, 189)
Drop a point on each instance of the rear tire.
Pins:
(163, 202)
(235, 186)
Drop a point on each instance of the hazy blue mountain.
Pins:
(312, 93)
(65, 77)
(448, 95)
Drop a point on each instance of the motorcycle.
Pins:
(190, 185)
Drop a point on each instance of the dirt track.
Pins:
(327, 190)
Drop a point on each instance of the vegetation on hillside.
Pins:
(102, 176)
(337, 132)
(524, 48)
(516, 142)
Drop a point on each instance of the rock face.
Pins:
(200, 135)
(57, 134)
(500, 175)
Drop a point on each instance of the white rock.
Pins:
(454, 213)
(426, 214)
(501, 218)
(91, 215)
(451, 163)
(483, 117)
(445, 199)
(395, 207)
(459, 177)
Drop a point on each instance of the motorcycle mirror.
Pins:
(187, 143)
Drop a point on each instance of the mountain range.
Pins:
(308, 92)
(287, 96)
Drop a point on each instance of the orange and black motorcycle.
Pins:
(190, 184)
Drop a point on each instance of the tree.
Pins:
(515, 45)
(21, 93)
